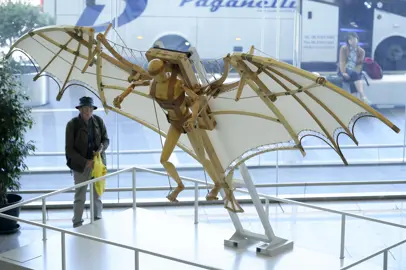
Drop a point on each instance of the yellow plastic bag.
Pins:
(99, 169)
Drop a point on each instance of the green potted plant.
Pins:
(17, 18)
(15, 120)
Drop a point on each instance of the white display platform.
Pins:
(201, 244)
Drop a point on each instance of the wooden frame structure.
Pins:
(278, 103)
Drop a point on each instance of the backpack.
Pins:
(75, 130)
(373, 69)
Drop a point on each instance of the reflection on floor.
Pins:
(310, 228)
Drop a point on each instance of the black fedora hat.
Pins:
(86, 101)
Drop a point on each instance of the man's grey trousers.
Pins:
(80, 197)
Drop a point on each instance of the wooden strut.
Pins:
(216, 91)
(273, 96)
(124, 65)
(220, 82)
(132, 86)
(263, 92)
(99, 82)
(59, 46)
(218, 87)
(90, 53)
(246, 113)
(62, 90)
(242, 81)
(91, 60)
(121, 59)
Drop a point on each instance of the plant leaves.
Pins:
(15, 120)
(17, 18)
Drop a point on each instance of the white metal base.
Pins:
(238, 241)
(273, 245)
(275, 249)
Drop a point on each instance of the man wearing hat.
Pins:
(86, 135)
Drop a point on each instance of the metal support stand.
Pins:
(273, 245)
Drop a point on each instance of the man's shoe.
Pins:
(78, 224)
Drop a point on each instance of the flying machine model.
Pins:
(272, 106)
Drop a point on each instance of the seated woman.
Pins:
(350, 66)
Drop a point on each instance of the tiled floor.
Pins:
(313, 229)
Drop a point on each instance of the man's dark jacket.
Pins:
(76, 148)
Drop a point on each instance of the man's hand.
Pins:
(189, 125)
(98, 150)
(345, 75)
(90, 164)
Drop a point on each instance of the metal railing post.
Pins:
(134, 188)
(44, 219)
(277, 172)
(196, 203)
(385, 260)
(91, 202)
(63, 251)
(267, 207)
(136, 260)
(342, 236)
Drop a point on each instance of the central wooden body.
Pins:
(180, 60)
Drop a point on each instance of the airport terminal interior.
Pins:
(328, 193)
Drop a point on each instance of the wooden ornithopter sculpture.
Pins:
(272, 106)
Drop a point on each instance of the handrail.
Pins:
(385, 250)
(329, 210)
(265, 185)
(157, 151)
(196, 181)
(199, 182)
(333, 183)
(280, 199)
(64, 190)
(126, 152)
